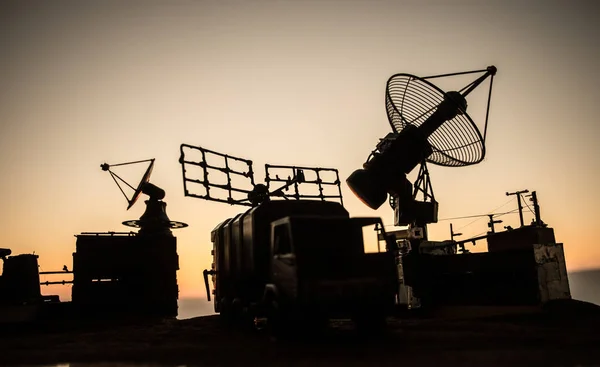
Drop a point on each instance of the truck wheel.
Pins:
(275, 324)
(226, 313)
(282, 323)
(370, 324)
(237, 312)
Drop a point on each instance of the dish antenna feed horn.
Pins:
(155, 219)
(429, 126)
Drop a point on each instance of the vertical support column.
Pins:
(518, 194)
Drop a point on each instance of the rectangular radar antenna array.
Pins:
(297, 171)
(189, 182)
(237, 184)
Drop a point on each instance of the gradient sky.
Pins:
(284, 82)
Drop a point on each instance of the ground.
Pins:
(566, 336)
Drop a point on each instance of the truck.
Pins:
(295, 258)
(300, 263)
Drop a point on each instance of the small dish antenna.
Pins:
(140, 187)
(155, 219)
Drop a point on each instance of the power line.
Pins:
(465, 217)
(510, 212)
(478, 215)
(528, 207)
(503, 205)
(476, 220)
(485, 215)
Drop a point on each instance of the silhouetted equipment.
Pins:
(522, 266)
(295, 256)
(453, 234)
(20, 280)
(236, 185)
(127, 272)
(64, 271)
(536, 209)
(296, 253)
(155, 219)
(518, 195)
(21, 299)
(4, 252)
(429, 125)
(492, 222)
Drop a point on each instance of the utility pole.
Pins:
(492, 222)
(536, 208)
(461, 245)
(452, 234)
(518, 194)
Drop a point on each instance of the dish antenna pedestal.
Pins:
(154, 220)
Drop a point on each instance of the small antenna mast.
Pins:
(518, 194)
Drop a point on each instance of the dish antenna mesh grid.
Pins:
(410, 100)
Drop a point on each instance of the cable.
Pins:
(465, 217)
(503, 205)
(478, 215)
(528, 207)
(486, 215)
(468, 224)
(510, 212)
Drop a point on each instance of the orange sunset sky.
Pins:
(284, 82)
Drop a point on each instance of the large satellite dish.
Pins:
(410, 100)
(429, 126)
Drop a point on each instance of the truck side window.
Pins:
(282, 241)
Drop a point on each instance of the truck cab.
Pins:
(320, 268)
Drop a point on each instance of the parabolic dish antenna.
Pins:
(155, 219)
(429, 126)
(411, 100)
(140, 187)
(145, 179)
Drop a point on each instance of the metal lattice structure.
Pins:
(237, 186)
(203, 182)
(410, 100)
(319, 181)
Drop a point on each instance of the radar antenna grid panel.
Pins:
(237, 186)
(196, 182)
(321, 178)
(411, 100)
